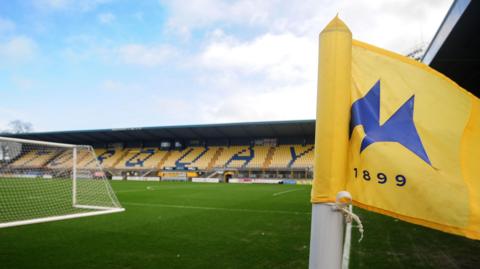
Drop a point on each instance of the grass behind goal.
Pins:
(40, 198)
(188, 225)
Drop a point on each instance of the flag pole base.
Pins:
(326, 237)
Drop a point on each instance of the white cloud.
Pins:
(6, 25)
(117, 86)
(149, 56)
(17, 49)
(81, 48)
(282, 103)
(396, 25)
(278, 57)
(59, 5)
(106, 18)
(201, 13)
(217, 103)
(53, 4)
(273, 75)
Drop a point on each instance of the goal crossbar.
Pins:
(37, 142)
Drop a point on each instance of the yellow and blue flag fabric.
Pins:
(414, 143)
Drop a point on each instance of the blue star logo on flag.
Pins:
(399, 128)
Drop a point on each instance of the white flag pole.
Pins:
(331, 145)
(326, 238)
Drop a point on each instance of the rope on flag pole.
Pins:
(342, 203)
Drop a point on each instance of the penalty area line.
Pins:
(220, 209)
(151, 188)
(287, 191)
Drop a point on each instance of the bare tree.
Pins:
(417, 52)
(9, 150)
(19, 127)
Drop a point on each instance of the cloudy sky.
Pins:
(86, 64)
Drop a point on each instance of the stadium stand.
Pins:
(258, 150)
(192, 154)
(197, 158)
(264, 158)
(281, 157)
(111, 157)
(65, 159)
(174, 156)
(260, 157)
(36, 158)
(302, 156)
(231, 157)
(89, 161)
(138, 158)
(203, 159)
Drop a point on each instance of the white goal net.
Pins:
(42, 181)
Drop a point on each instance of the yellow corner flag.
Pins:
(412, 141)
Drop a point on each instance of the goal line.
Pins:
(63, 217)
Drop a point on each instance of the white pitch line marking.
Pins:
(220, 208)
(148, 188)
(123, 191)
(287, 191)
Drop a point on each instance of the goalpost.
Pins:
(43, 181)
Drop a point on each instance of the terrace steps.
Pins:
(268, 159)
(163, 160)
(214, 158)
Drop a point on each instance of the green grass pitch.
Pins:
(193, 225)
